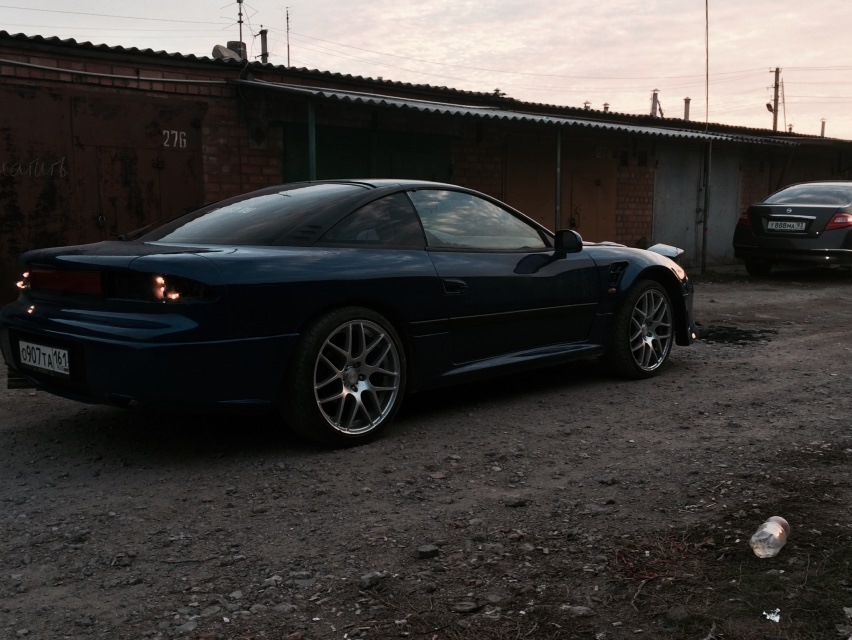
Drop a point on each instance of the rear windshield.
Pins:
(837, 195)
(258, 218)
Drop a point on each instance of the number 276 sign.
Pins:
(174, 139)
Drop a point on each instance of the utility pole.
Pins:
(287, 9)
(775, 100)
(240, 18)
(706, 65)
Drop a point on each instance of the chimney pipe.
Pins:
(655, 103)
(606, 107)
(822, 129)
(686, 102)
(264, 53)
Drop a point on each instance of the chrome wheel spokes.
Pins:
(651, 330)
(357, 377)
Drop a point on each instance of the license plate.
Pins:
(783, 225)
(39, 356)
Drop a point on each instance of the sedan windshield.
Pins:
(260, 219)
(837, 195)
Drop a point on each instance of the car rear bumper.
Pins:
(830, 248)
(815, 257)
(169, 374)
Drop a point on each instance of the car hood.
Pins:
(607, 253)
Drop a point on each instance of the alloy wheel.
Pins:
(651, 330)
(357, 377)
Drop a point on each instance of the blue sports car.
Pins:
(329, 301)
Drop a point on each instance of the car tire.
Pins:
(347, 378)
(758, 269)
(642, 332)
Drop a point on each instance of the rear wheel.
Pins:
(347, 379)
(758, 269)
(642, 332)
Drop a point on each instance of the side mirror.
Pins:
(568, 241)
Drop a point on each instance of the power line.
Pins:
(151, 30)
(524, 73)
(104, 15)
(818, 68)
(741, 75)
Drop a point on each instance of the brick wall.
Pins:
(634, 216)
(478, 159)
(754, 181)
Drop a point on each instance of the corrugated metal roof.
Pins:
(563, 115)
(493, 113)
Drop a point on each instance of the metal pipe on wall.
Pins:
(707, 166)
(558, 209)
(312, 141)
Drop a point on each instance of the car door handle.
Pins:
(454, 286)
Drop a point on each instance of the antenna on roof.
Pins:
(240, 17)
(235, 50)
(287, 9)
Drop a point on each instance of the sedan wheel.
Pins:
(348, 380)
(642, 335)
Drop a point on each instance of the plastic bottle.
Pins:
(770, 537)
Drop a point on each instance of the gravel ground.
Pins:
(566, 504)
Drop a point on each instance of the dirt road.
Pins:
(566, 504)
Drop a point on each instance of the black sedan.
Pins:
(807, 224)
(329, 301)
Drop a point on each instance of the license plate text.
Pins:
(783, 225)
(45, 358)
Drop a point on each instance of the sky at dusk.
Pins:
(566, 53)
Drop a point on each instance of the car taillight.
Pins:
(177, 289)
(154, 287)
(744, 219)
(839, 221)
(87, 282)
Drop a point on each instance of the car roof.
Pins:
(306, 225)
(380, 183)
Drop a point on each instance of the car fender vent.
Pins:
(616, 271)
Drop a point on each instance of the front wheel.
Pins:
(347, 378)
(642, 332)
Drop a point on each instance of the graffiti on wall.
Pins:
(35, 168)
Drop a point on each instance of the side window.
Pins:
(464, 221)
(389, 222)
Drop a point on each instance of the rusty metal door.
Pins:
(36, 195)
(531, 176)
(143, 160)
(592, 208)
(79, 167)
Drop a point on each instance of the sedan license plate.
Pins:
(49, 359)
(784, 225)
